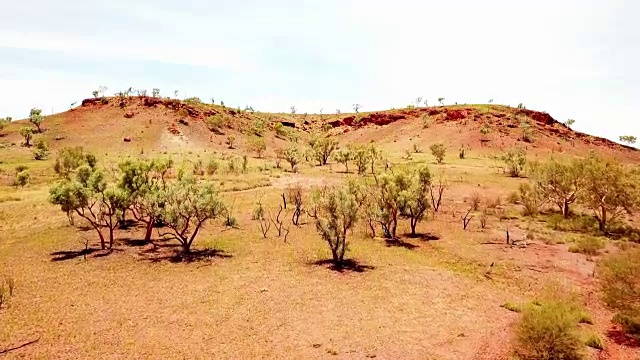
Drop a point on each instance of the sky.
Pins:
(573, 59)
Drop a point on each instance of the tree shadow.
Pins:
(177, 256)
(400, 243)
(85, 253)
(621, 338)
(423, 236)
(348, 265)
(135, 242)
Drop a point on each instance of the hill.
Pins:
(145, 124)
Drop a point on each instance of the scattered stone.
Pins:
(127, 139)
(129, 114)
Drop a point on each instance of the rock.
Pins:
(129, 114)
(127, 139)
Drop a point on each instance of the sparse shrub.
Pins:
(416, 148)
(549, 331)
(198, 167)
(41, 150)
(485, 130)
(7, 288)
(462, 152)
(233, 165)
(628, 139)
(3, 123)
(27, 134)
(231, 140)
(527, 132)
(22, 178)
(576, 223)
(426, 121)
(494, 202)
(212, 166)
(155, 92)
(193, 100)
(216, 122)
(515, 159)
(475, 200)
(21, 167)
(36, 118)
(484, 217)
(183, 113)
(257, 145)
(438, 150)
(259, 127)
(513, 197)
(620, 283)
(245, 163)
(260, 215)
(362, 156)
(531, 199)
(588, 245)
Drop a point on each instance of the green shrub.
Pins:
(588, 245)
(512, 307)
(439, 151)
(212, 166)
(193, 100)
(515, 159)
(22, 178)
(259, 127)
(577, 223)
(549, 331)
(620, 283)
(594, 341)
(41, 150)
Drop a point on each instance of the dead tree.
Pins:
(295, 197)
(278, 221)
(436, 191)
(466, 219)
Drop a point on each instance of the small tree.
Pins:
(293, 156)
(343, 156)
(71, 158)
(362, 156)
(155, 93)
(356, 107)
(322, 148)
(610, 190)
(393, 192)
(336, 212)
(260, 215)
(515, 159)
(418, 101)
(187, 206)
(415, 201)
(36, 118)
(27, 134)
(438, 150)
(569, 122)
(441, 101)
(293, 110)
(91, 197)
(257, 145)
(628, 139)
(3, 123)
(22, 178)
(231, 140)
(559, 182)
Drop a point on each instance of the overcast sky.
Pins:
(572, 58)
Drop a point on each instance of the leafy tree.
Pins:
(560, 182)
(41, 151)
(293, 156)
(515, 159)
(187, 206)
(36, 118)
(392, 192)
(259, 127)
(91, 197)
(569, 122)
(142, 182)
(336, 212)
(322, 148)
(343, 156)
(439, 151)
(257, 145)
(415, 201)
(362, 156)
(532, 199)
(628, 139)
(71, 158)
(441, 101)
(27, 134)
(155, 93)
(610, 190)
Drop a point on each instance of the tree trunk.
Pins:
(602, 220)
(186, 247)
(394, 226)
(110, 238)
(414, 222)
(102, 243)
(565, 210)
(147, 235)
